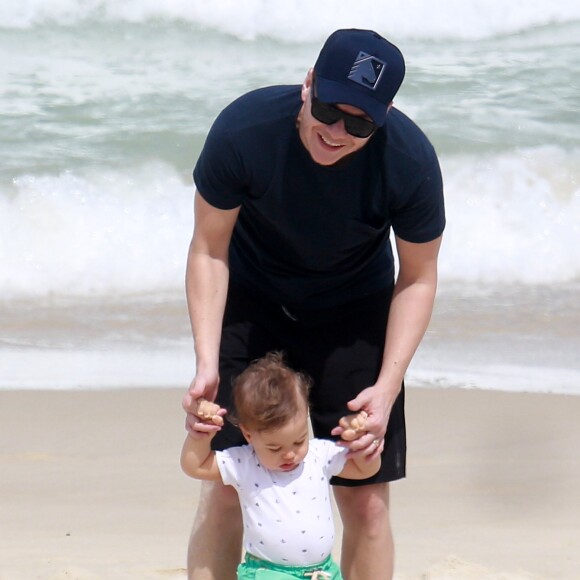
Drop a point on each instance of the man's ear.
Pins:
(307, 84)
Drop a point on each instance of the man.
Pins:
(297, 191)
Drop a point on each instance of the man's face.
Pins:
(327, 144)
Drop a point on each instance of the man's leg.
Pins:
(367, 541)
(215, 545)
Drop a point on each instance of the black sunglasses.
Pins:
(330, 114)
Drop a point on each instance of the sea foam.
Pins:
(304, 20)
(512, 218)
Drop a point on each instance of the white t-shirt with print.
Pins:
(287, 515)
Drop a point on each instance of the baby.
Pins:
(281, 475)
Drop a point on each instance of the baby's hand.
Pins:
(209, 412)
(353, 426)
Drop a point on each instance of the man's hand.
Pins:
(205, 418)
(354, 431)
(376, 404)
(210, 412)
(202, 388)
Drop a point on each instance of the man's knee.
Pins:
(366, 505)
(218, 502)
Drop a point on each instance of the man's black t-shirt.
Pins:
(309, 235)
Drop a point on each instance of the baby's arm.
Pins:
(197, 458)
(357, 466)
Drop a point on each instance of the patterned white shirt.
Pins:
(287, 515)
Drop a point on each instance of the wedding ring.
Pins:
(376, 442)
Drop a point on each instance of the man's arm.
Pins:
(207, 277)
(409, 315)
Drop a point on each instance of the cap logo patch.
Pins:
(367, 70)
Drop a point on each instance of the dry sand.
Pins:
(90, 486)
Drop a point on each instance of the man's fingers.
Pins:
(368, 445)
(210, 412)
(197, 427)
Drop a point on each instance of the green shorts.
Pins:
(253, 568)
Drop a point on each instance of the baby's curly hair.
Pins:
(268, 394)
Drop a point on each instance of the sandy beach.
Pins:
(90, 486)
(107, 106)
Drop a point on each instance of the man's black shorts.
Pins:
(340, 348)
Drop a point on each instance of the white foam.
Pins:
(60, 369)
(304, 20)
(129, 368)
(510, 378)
(99, 233)
(512, 218)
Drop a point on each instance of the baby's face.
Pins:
(282, 448)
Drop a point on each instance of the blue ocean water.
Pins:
(105, 106)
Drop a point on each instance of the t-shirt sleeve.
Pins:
(416, 203)
(219, 173)
(333, 457)
(232, 463)
(422, 217)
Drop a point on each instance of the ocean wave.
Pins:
(303, 20)
(95, 233)
(512, 218)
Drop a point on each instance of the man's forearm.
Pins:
(409, 316)
(410, 310)
(206, 286)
